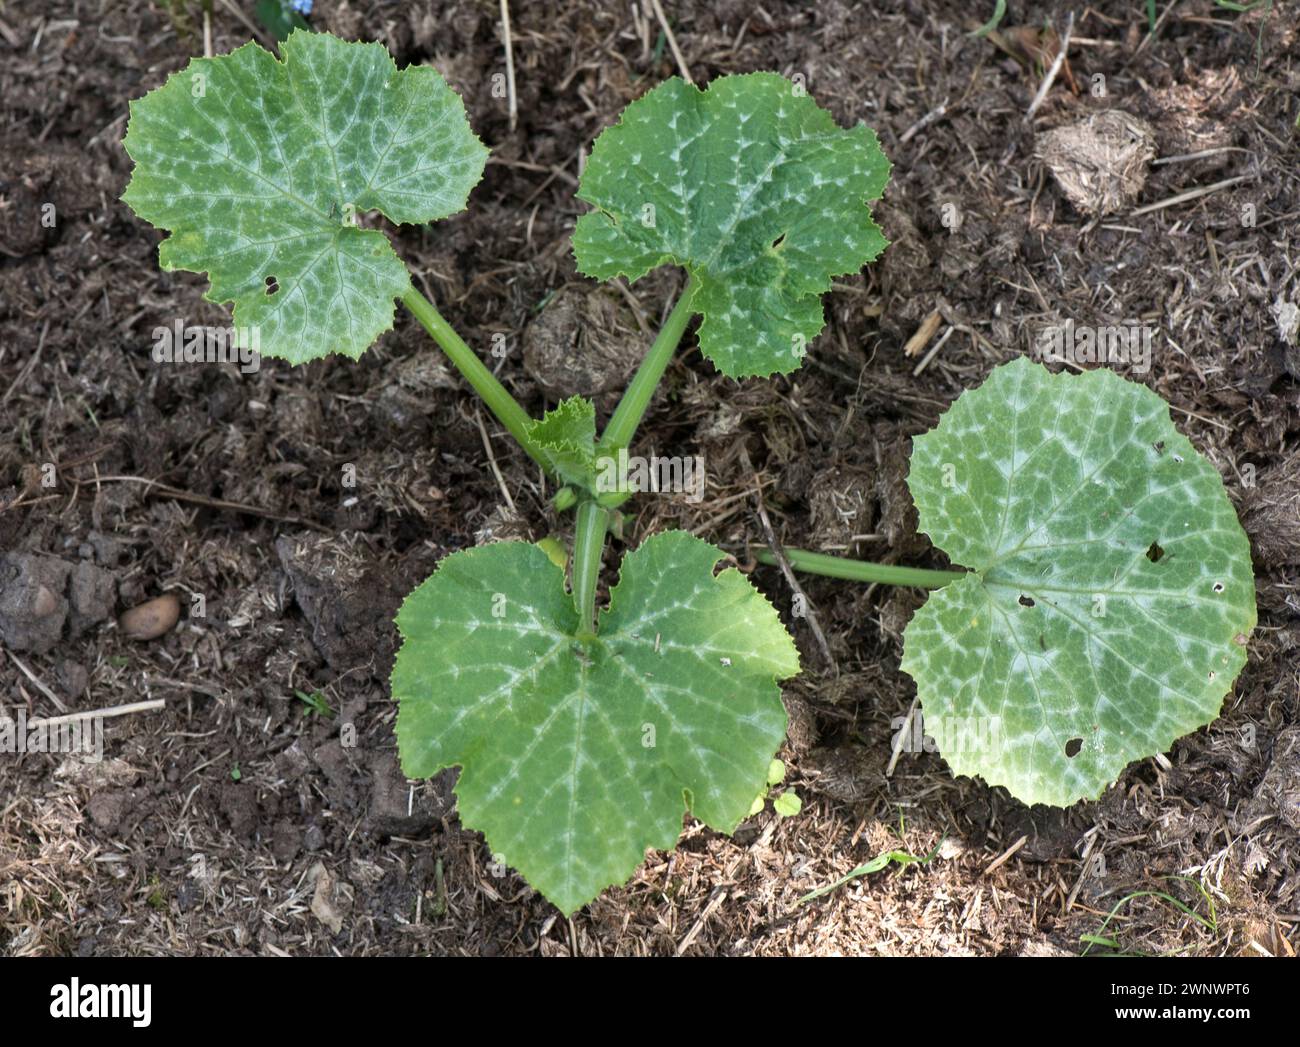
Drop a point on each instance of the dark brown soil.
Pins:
(236, 820)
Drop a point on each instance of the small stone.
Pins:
(45, 602)
(151, 619)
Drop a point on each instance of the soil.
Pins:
(289, 510)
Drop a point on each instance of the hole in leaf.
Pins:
(1218, 587)
(1042, 641)
(1026, 601)
(1155, 552)
(1072, 747)
(776, 244)
(271, 286)
(1160, 447)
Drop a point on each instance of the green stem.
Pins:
(594, 515)
(861, 570)
(499, 401)
(636, 398)
(632, 407)
(588, 547)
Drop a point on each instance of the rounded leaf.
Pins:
(1111, 592)
(788, 804)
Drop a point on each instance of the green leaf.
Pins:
(555, 551)
(788, 804)
(260, 167)
(776, 772)
(576, 758)
(755, 190)
(566, 435)
(1111, 593)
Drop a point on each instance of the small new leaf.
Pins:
(566, 435)
(755, 190)
(259, 168)
(1111, 593)
(788, 804)
(576, 757)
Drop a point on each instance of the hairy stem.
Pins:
(588, 546)
(861, 570)
(499, 401)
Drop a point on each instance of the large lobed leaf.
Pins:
(576, 758)
(755, 190)
(1111, 592)
(259, 166)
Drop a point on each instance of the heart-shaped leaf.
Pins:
(260, 167)
(755, 190)
(1111, 592)
(575, 758)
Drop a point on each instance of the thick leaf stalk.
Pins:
(636, 399)
(588, 546)
(861, 570)
(499, 401)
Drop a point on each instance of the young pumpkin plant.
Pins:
(1109, 594)
(582, 735)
